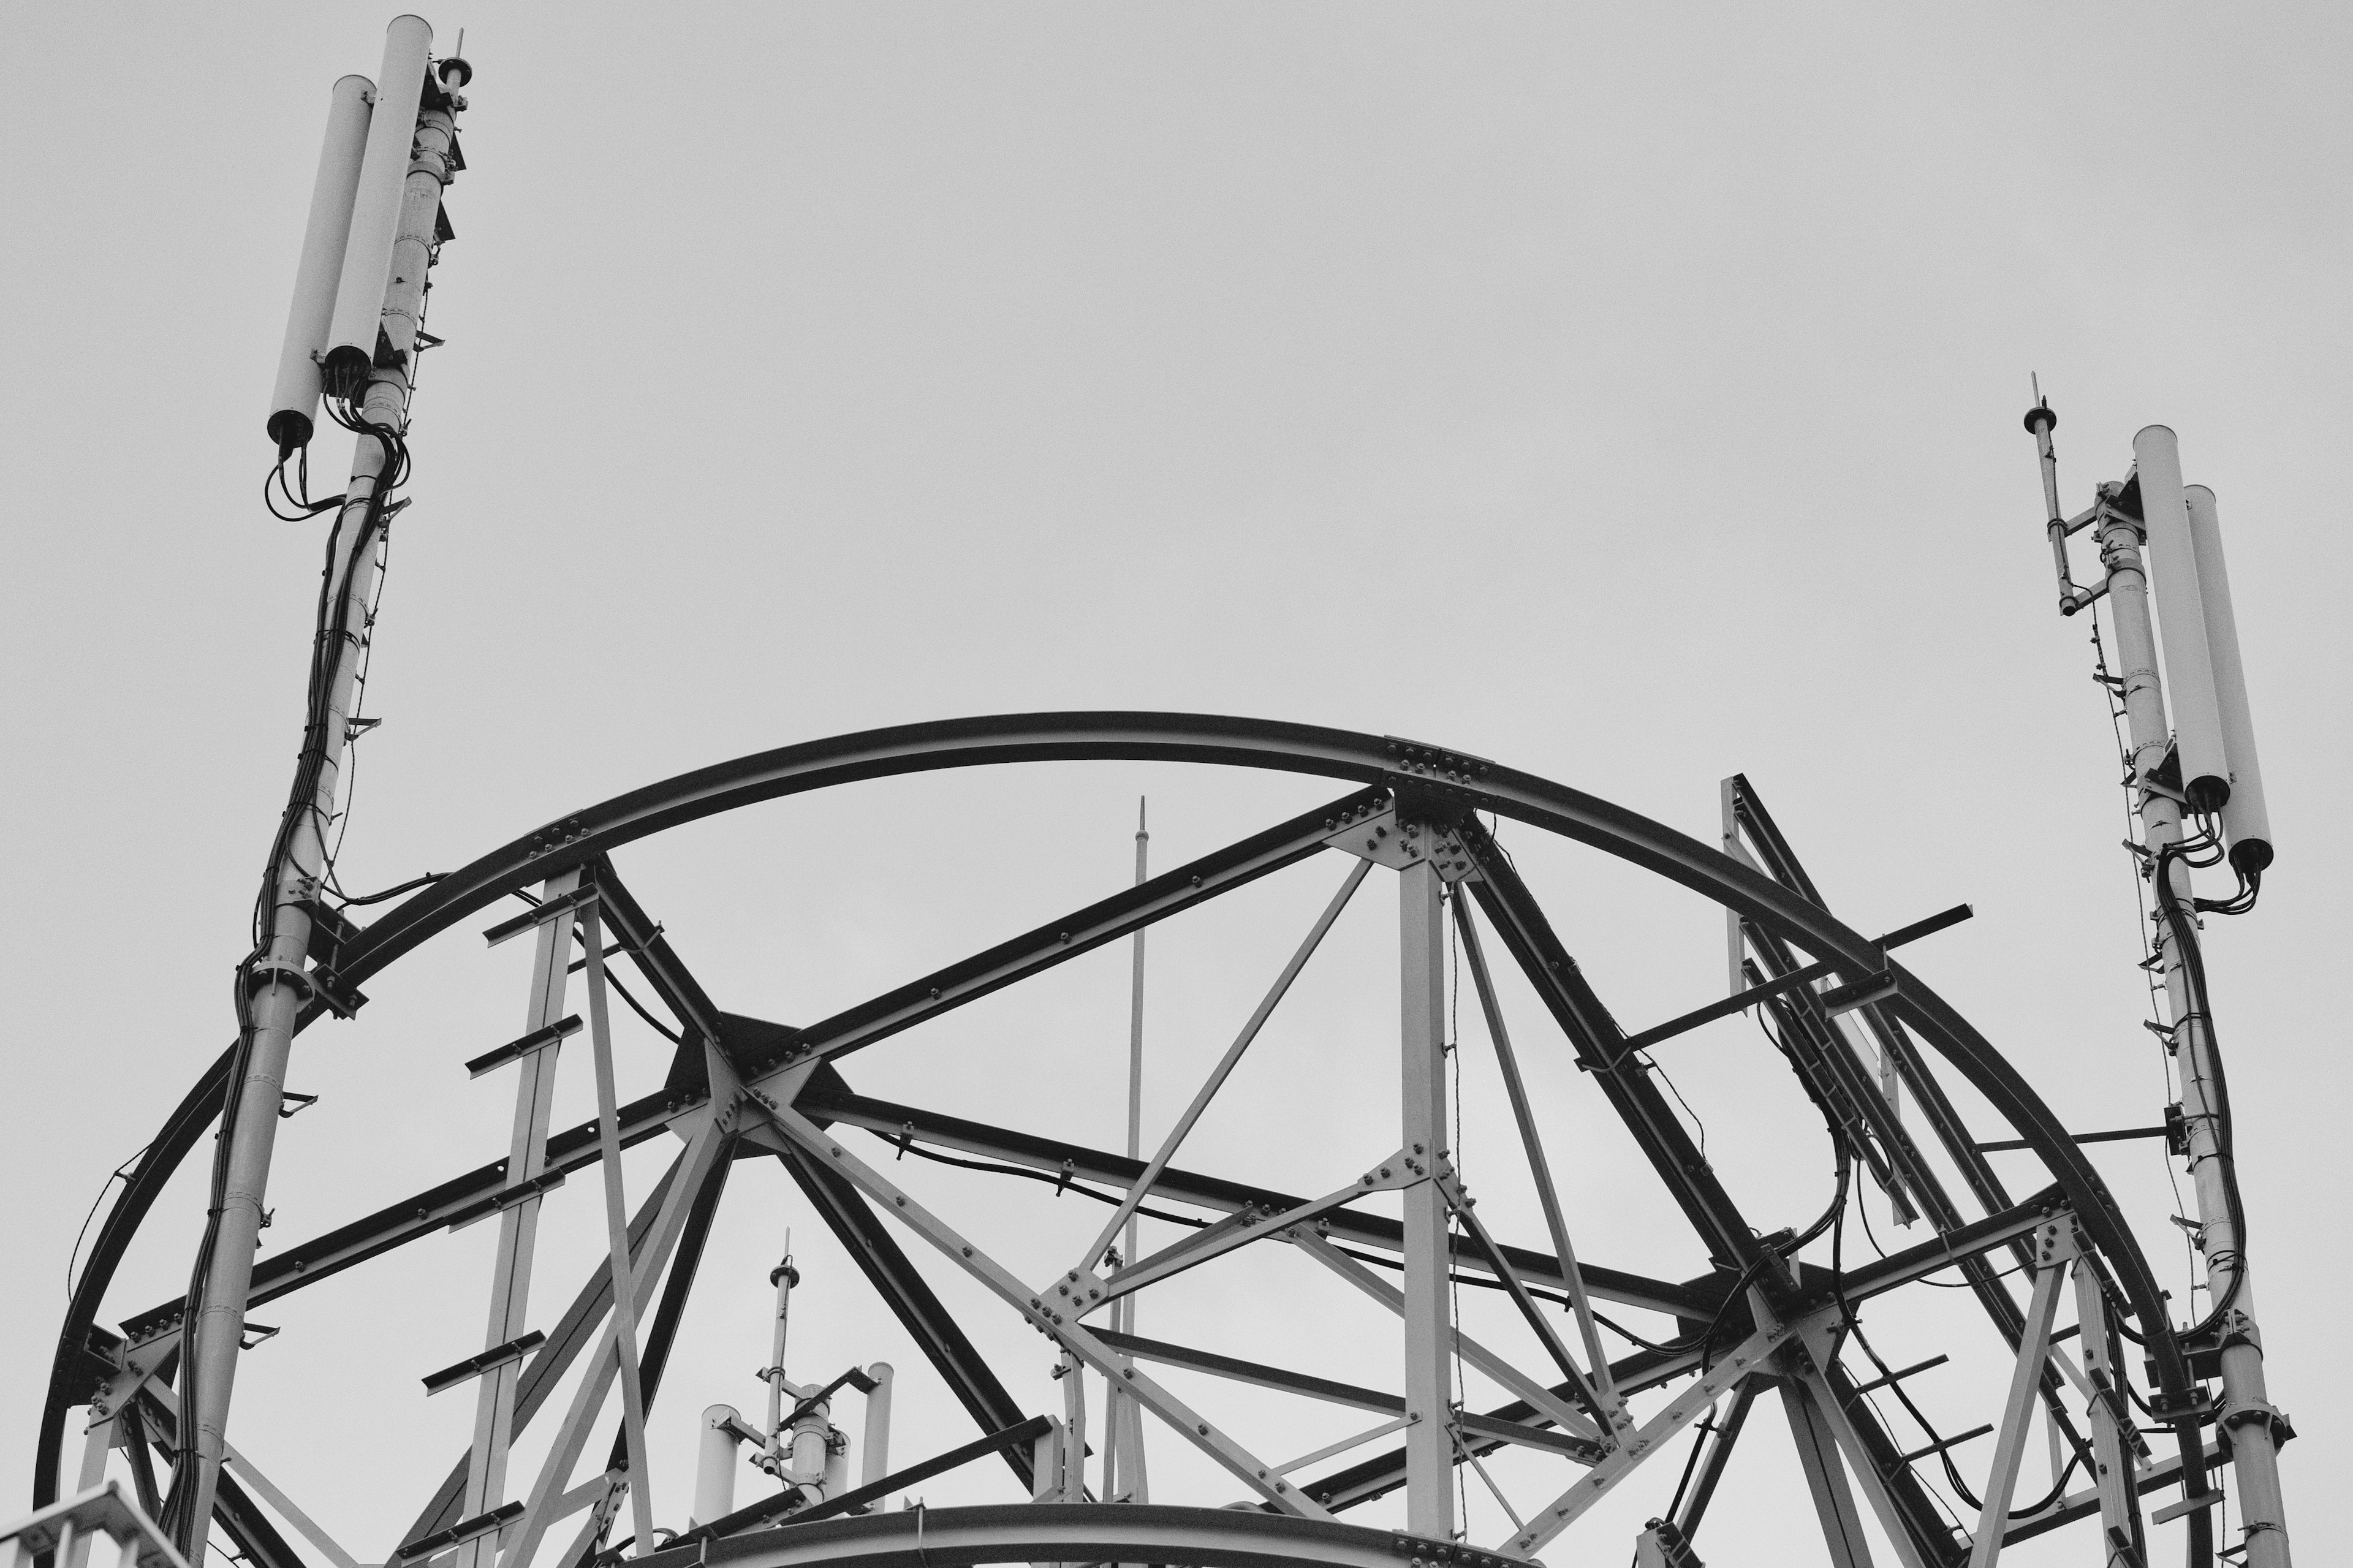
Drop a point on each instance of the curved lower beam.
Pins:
(1073, 1533)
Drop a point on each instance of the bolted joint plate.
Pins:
(1387, 837)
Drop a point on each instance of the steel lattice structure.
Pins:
(1758, 1323)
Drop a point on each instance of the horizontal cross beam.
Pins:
(1335, 1392)
(1058, 941)
(889, 1120)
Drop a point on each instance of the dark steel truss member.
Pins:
(1866, 1039)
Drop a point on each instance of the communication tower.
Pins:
(1599, 1380)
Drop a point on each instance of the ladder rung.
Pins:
(1940, 1447)
(1900, 1374)
(562, 904)
(463, 1530)
(504, 1198)
(563, 1027)
(475, 1365)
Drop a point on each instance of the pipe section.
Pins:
(325, 237)
(2246, 823)
(375, 206)
(2173, 577)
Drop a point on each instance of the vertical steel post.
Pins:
(2040, 422)
(2111, 1423)
(2254, 1451)
(278, 993)
(1842, 1521)
(616, 1238)
(2055, 1254)
(486, 1467)
(1429, 1366)
(1124, 1477)
(1074, 1422)
(784, 1277)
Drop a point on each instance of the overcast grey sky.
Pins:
(1630, 396)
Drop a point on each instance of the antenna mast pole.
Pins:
(277, 979)
(1123, 1473)
(2253, 1428)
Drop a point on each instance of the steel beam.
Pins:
(912, 1300)
(1072, 1532)
(1817, 1454)
(1058, 941)
(486, 1474)
(1539, 1168)
(708, 1144)
(1058, 1322)
(574, 1333)
(1560, 1410)
(1906, 1513)
(2112, 1420)
(1349, 1394)
(428, 1213)
(1699, 1488)
(888, 1119)
(2054, 1254)
(1513, 914)
(2155, 1477)
(1469, 784)
(1687, 1406)
(1429, 1364)
(1140, 1188)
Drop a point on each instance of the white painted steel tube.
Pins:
(375, 207)
(2246, 822)
(295, 399)
(875, 1458)
(216, 1335)
(714, 1465)
(1429, 1330)
(2254, 1457)
(784, 1277)
(2181, 620)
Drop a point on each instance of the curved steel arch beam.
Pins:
(1459, 782)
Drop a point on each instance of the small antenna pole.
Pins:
(1124, 1472)
(2040, 422)
(784, 1277)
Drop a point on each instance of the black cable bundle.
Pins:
(332, 620)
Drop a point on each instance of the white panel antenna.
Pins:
(296, 397)
(2246, 824)
(2181, 618)
(376, 210)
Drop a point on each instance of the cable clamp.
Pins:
(2237, 1329)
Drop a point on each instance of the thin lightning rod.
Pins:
(1124, 1474)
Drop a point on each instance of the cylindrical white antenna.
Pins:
(375, 207)
(2181, 620)
(875, 1461)
(2245, 822)
(321, 267)
(714, 1465)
